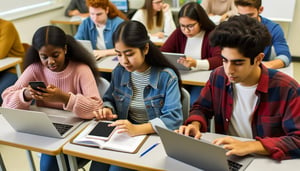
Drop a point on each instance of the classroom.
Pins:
(52, 12)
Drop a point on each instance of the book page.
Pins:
(124, 142)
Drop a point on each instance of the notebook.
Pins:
(121, 142)
(173, 57)
(58, 124)
(200, 153)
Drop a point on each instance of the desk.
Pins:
(73, 22)
(10, 62)
(198, 78)
(157, 159)
(30, 142)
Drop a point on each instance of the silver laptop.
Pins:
(87, 45)
(173, 57)
(200, 153)
(57, 124)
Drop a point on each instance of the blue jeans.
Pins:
(6, 79)
(49, 163)
(97, 166)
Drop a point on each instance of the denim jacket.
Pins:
(161, 97)
(87, 31)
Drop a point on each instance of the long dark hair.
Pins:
(134, 34)
(194, 11)
(52, 35)
(150, 15)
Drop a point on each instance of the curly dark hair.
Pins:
(246, 34)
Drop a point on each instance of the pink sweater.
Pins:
(77, 79)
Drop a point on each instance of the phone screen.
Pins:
(36, 84)
(101, 131)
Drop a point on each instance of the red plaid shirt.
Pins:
(276, 118)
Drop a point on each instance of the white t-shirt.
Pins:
(193, 49)
(100, 38)
(245, 100)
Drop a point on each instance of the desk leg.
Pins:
(61, 162)
(18, 69)
(2, 166)
(73, 163)
(30, 159)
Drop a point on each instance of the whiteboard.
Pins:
(279, 10)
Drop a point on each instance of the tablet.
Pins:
(101, 131)
(173, 57)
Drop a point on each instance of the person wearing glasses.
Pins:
(191, 38)
(156, 17)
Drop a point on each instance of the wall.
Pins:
(27, 26)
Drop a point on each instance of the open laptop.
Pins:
(56, 125)
(173, 57)
(87, 45)
(200, 153)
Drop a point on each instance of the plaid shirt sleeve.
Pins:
(276, 118)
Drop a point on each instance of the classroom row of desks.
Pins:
(155, 160)
(107, 64)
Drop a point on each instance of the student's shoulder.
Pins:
(166, 72)
(278, 78)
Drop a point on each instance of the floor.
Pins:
(16, 159)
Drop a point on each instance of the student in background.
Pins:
(191, 38)
(156, 17)
(145, 89)
(100, 26)
(11, 46)
(277, 55)
(247, 99)
(77, 8)
(69, 73)
(219, 10)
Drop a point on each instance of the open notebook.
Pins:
(118, 141)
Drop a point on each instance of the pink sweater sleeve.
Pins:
(77, 80)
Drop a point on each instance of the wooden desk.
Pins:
(197, 78)
(31, 142)
(73, 22)
(10, 62)
(157, 159)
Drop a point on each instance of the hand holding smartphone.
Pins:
(35, 84)
(101, 131)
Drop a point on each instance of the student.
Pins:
(77, 8)
(69, 73)
(247, 99)
(145, 89)
(10, 45)
(282, 57)
(219, 9)
(156, 17)
(191, 38)
(100, 26)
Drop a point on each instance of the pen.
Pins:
(149, 149)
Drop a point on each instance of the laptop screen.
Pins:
(122, 5)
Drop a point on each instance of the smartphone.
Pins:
(36, 84)
(101, 131)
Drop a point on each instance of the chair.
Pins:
(26, 46)
(103, 86)
(185, 103)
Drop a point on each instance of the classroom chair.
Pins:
(185, 103)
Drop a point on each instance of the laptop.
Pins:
(57, 124)
(200, 153)
(173, 57)
(87, 45)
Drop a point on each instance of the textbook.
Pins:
(117, 141)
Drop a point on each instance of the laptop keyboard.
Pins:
(62, 128)
(233, 166)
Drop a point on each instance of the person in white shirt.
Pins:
(156, 17)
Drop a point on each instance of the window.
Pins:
(13, 9)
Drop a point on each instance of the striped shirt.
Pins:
(137, 109)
